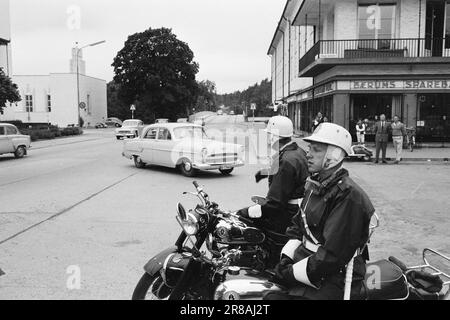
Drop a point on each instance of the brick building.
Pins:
(356, 59)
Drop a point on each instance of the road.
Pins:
(76, 204)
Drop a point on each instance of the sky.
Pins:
(229, 38)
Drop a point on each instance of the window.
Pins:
(164, 134)
(189, 132)
(151, 134)
(28, 103)
(2, 131)
(376, 22)
(49, 103)
(447, 25)
(11, 130)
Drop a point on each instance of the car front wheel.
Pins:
(138, 162)
(20, 152)
(226, 172)
(187, 169)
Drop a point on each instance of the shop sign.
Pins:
(421, 123)
(326, 88)
(400, 85)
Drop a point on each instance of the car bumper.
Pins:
(217, 166)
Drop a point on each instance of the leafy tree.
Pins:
(156, 72)
(239, 101)
(206, 100)
(8, 90)
(116, 106)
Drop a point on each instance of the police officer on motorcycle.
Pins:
(287, 176)
(331, 227)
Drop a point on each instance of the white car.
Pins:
(130, 129)
(11, 141)
(184, 146)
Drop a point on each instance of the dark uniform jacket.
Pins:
(287, 178)
(338, 214)
(382, 132)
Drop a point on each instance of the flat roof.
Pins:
(278, 28)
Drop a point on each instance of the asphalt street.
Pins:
(77, 204)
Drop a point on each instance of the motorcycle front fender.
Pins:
(156, 263)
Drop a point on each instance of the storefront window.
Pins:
(447, 25)
(370, 106)
(376, 22)
(433, 114)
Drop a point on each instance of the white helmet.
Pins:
(332, 134)
(280, 126)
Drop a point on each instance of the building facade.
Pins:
(357, 59)
(5, 38)
(53, 98)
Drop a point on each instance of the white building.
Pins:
(5, 38)
(356, 59)
(53, 98)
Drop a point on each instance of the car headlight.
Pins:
(204, 154)
(190, 226)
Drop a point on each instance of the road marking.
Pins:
(67, 209)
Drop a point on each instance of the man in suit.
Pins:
(382, 129)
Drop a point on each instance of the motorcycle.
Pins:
(235, 264)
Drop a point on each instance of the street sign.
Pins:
(253, 106)
(133, 107)
(82, 105)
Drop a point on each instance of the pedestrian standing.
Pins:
(381, 129)
(317, 121)
(398, 132)
(360, 132)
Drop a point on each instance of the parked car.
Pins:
(11, 141)
(162, 121)
(101, 125)
(184, 146)
(232, 113)
(220, 112)
(130, 129)
(113, 122)
(182, 120)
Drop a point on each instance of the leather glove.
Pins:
(285, 260)
(260, 175)
(284, 273)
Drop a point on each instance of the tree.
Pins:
(261, 94)
(156, 72)
(8, 90)
(206, 100)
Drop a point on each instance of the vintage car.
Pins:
(113, 122)
(130, 129)
(11, 141)
(184, 146)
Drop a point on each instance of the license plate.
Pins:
(225, 168)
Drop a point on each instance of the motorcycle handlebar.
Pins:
(196, 185)
(399, 264)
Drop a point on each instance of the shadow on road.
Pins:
(176, 172)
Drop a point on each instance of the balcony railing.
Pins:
(376, 49)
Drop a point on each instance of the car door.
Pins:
(148, 142)
(6, 145)
(163, 148)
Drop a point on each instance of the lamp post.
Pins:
(78, 74)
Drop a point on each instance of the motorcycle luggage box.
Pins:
(385, 281)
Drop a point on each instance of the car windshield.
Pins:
(131, 123)
(189, 132)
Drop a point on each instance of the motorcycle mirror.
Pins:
(259, 200)
(181, 211)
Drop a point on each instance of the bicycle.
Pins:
(411, 138)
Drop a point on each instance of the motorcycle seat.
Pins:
(385, 281)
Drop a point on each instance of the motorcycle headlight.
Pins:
(190, 225)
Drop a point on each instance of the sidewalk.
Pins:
(421, 154)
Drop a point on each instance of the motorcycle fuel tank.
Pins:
(246, 285)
